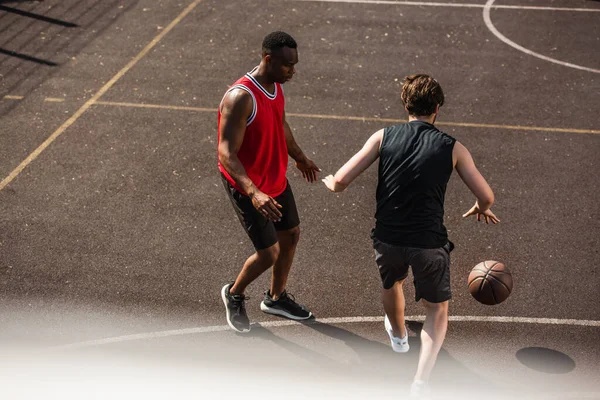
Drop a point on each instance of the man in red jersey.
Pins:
(253, 148)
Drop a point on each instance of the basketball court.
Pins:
(116, 235)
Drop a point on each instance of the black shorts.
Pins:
(262, 232)
(430, 267)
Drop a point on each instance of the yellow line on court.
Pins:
(520, 127)
(95, 98)
(12, 97)
(349, 118)
(354, 118)
(53, 100)
(164, 107)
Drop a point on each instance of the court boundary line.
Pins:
(488, 23)
(31, 157)
(356, 118)
(454, 5)
(333, 320)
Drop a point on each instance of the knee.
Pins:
(269, 255)
(438, 308)
(290, 237)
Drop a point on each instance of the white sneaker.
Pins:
(419, 390)
(399, 345)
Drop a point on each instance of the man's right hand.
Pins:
(266, 205)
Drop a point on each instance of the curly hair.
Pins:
(277, 40)
(421, 94)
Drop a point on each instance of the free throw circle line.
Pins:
(488, 22)
(335, 320)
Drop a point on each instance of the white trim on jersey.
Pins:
(242, 87)
(258, 85)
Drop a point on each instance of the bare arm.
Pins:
(468, 172)
(306, 166)
(293, 149)
(356, 165)
(236, 108)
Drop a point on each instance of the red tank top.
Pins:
(264, 150)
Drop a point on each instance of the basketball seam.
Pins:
(485, 279)
(502, 283)
(493, 294)
(503, 272)
(481, 285)
(487, 273)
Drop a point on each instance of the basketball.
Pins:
(490, 282)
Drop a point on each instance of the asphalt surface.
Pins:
(119, 225)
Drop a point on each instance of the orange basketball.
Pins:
(490, 282)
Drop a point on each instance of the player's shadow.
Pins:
(453, 374)
(376, 360)
(379, 358)
(314, 358)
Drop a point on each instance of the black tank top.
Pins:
(415, 165)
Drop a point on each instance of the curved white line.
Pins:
(492, 28)
(338, 320)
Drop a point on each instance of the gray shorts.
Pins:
(430, 267)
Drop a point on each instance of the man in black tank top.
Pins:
(415, 163)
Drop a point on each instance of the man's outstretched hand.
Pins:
(308, 169)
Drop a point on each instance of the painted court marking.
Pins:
(338, 320)
(456, 5)
(96, 96)
(487, 19)
(362, 119)
(492, 28)
(486, 12)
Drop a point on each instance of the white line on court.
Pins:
(338, 320)
(457, 5)
(492, 28)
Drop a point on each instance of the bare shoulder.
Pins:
(237, 101)
(378, 135)
(461, 156)
(373, 144)
(459, 151)
(376, 138)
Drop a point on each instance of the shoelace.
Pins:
(239, 301)
(287, 297)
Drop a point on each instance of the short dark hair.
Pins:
(421, 94)
(277, 40)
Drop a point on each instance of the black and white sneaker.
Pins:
(284, 306)
(237, 318)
